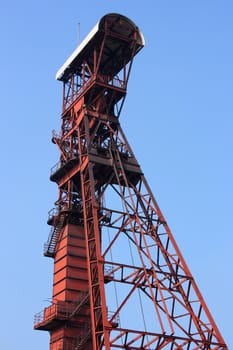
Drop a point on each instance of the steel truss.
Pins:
(132, 286)
(120, 211)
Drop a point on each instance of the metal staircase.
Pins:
(55, 232)
(84, 337)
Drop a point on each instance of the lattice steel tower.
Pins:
(120, 281)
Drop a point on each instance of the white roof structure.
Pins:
(116, 21)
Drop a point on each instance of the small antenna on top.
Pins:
(78, 33)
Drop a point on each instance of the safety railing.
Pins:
(112, 318)
(55, 168)
(115, 81)
(60, 310)
(52, 212)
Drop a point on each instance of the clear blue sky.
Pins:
(177, 117)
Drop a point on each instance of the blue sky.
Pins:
(177, 118)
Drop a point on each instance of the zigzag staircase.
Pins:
(84, 338)
(55, 232)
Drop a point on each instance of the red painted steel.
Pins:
(120, 280)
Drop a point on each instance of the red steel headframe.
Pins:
(120, 280)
